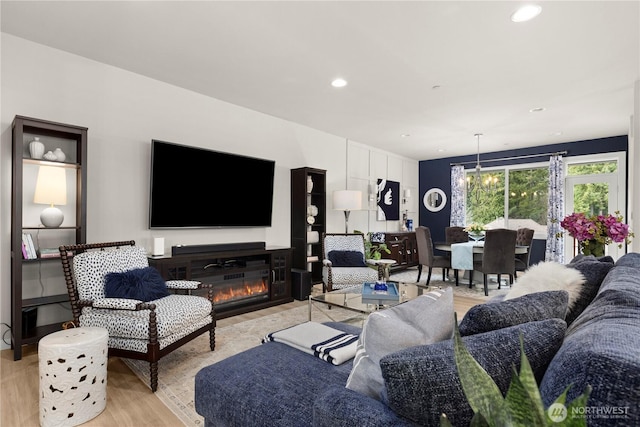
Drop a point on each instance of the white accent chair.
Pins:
(342, 276)
(137, 329)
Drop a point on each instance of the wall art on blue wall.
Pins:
(388, 200)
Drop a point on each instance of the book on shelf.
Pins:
(49, 253)
(27, 240)
(25, 255)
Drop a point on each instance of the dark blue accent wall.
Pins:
(437, 173)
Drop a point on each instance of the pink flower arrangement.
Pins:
(604, 229)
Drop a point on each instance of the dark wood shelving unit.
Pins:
(73, 140)
(307, 253)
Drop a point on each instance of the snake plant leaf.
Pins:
(526, 395)
(444, 421)
(481, 391)
(479, 420)
(578, 402)
(523, 408)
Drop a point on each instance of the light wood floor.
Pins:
(130, 402)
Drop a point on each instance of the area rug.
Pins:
(177, 370)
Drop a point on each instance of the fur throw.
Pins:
(549, 276)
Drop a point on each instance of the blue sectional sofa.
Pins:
(276, 385)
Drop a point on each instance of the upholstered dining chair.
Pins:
(524, 237)
(455, 234)
(111, 285)
(427, 257)
(498, 256)
(344, 263)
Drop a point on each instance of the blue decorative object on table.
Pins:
(372, 296)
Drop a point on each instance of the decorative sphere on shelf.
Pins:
(60, 156)
(50, 156)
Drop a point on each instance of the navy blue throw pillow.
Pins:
(346, 259)
(144, 284)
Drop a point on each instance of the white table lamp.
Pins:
(51, 189)
(347, 201)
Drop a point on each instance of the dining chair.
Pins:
(427, 257)
(455, 234)
(524, 237)
(498, 256)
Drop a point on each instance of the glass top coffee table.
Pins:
(351, 299)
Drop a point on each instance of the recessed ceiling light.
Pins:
(526, 13)
(339, 83)
(405, 135)
(536, 110)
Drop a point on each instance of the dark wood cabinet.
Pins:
(36, 276)
(308, 219)
(211, 267)
(404, 249)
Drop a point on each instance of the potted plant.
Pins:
(373, 250)
(522, 405)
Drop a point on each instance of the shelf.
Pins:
(51, 299)
(40, 331)
(72, 140)
(51, 163)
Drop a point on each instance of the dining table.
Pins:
(462, 254)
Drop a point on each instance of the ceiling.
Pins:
(437, 71)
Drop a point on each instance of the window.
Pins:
(516, 198)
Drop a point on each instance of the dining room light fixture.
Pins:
(475, 183)
(347, 201)
(51, 189)
(526, 13)
(339, 82)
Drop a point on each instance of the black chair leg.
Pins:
(429, 276)
(511, 279)
(499, 282)
(419, 272)
(470, 279)
(486, 287)
(455, 274)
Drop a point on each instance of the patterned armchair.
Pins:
(344, 262)
(137, 329)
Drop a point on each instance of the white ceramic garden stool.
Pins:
(73, 376)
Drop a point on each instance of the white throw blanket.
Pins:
(327, 343)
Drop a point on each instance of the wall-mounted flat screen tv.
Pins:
(200, 188)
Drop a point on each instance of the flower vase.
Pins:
(592, 247)
(36, 148)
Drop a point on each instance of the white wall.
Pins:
(124, 112)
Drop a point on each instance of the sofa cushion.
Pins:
(594, 271)
(422, 382)
(423, 320)
(548, 276)
(527, 308)
(144, 284)
(602, 349)
(346, 259)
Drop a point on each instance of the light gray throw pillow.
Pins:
(424, 320)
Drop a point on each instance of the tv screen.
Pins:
(199, 188)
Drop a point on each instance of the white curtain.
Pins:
(457, 196)
(555, 214)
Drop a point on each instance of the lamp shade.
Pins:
(347, 200)
(51, 186)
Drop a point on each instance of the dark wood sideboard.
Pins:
(403, 247)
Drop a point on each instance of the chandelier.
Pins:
(475, 183)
